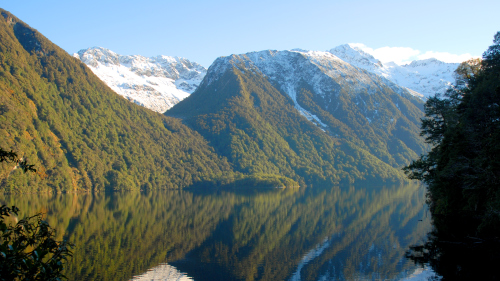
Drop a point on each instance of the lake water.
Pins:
(315, 233)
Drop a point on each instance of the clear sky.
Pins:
(201, 31)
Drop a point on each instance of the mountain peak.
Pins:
(356, 56)
(156, 82)
(94, 55)
(423, 77)
(109, 144)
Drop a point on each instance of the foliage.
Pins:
(463, 169)
(258, 180)
(11, 156)
(28, 250)
(466, 71)
(82, 135)
(258, 129)
(391, 134)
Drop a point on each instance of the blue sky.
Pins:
(204, 30)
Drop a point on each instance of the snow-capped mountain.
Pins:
(326, 75)
(157, 83)
(346, 102)
(423, 77)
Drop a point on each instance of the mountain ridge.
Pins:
(156, 83)
(423, 77)
(245, 98)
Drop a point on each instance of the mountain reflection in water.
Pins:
(334, 233)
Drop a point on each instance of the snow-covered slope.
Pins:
(425, 77)
(157, 83)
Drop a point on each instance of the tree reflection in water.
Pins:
(297, 234)
(455, 254)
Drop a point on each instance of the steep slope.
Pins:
(348, 103)
(78, 133)
(423, 77)
(304, 115)
(157, 83)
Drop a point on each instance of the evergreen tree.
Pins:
(463, 169)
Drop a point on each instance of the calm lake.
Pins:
(315, 233)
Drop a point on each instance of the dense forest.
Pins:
(81, 136)
(462, 172)
(463, 169)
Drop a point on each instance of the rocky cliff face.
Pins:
(157, 83)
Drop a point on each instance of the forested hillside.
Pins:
(259, 130)
(309, 117)
(78, 133)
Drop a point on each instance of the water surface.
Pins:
(316, 233)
